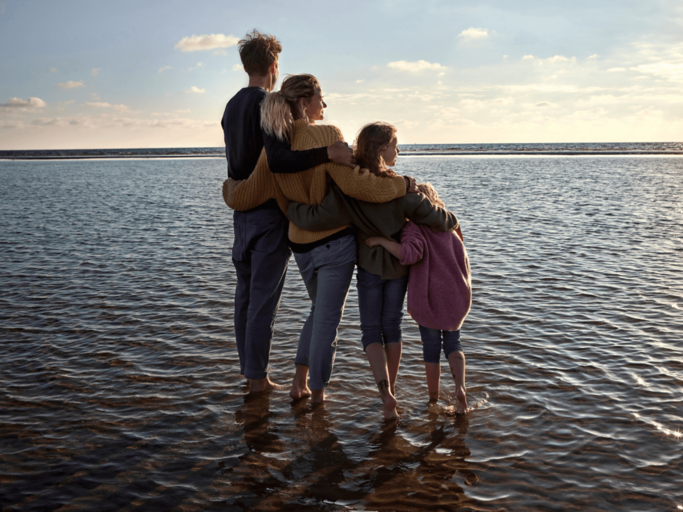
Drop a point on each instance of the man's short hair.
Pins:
(258, 51)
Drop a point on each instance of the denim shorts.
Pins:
(432, 341)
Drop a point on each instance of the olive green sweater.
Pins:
(310, 186)
(385, 220)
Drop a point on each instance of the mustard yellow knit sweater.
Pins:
(309, 186)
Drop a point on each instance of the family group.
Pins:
(297, 187)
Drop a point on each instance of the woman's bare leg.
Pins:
(456, 361)
(433, 371)
(378, 365)
(300, 387)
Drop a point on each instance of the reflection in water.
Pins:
(281, 472)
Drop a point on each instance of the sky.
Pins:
(78, 74)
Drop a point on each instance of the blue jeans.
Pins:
(431, 343)
(327, 271)
(380, 302)
(260, 254)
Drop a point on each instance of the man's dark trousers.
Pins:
(260, 255)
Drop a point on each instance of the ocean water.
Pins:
(119, 379)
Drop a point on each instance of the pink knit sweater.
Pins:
(440, 284)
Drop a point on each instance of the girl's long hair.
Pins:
(278, 107)
(372, 139)
(428, 190)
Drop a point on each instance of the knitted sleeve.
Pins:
(413, 244)
(357, 183)
(254, 191)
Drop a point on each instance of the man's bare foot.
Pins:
(260, 385)
(461, 401)
(433, 397)
(318, 396)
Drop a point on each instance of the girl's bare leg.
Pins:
(433, 371)
(378, 365)
(300, 387)
(393, 353)
(456, 361)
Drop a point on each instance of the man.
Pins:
(260, 252)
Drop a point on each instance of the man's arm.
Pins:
(283, 160)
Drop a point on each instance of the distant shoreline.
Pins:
(403, 154)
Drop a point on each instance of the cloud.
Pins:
(19, 103)
(544, 104)
(549, 60)
(360, 81)
(474, 33)
(161, 70)
(662, 69)
(195, 89)
(95, 71)
(414, 67)
(615, 70)
(102, 104)
(71, 84)
(593, 57)
(237, 67)
(199, 65)
(206, 42)
(54, 70)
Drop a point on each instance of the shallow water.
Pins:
(119, 384)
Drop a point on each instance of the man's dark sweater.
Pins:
(244, 141)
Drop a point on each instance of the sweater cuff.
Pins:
(319, 157)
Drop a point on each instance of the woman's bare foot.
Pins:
(318, 396)
(461, 401)
(433, 397)
(260, 385)
(300, 387)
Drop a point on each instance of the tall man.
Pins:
(260, 252)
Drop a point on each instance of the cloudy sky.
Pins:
(96, 74)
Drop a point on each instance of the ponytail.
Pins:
(278, 108)
(276, 116)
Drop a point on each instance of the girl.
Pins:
(326, 258)
(439, 294)
(381, 279)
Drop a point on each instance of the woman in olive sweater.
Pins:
(326, 258)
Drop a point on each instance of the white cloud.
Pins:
(19, 103)
(95, 96)
(195, 89)
(199, 65)
(95, 71)
(593, 57)
(528, 57)
(544, 104)
(237, 67)
(662, 69)
(54, 70)
(474, 33)
(549, 60)
(615, 70)
(161, 70)
(102, 104)
(414, 67)
(206, 42)
(71, 84)
(360, 81)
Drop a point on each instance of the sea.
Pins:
(119, 376)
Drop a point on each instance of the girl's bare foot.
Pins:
(461, 400)
(260, 385)
(388, 400)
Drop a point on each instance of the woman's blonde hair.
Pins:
(429, 192)
(372, 139)
(278, 108)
